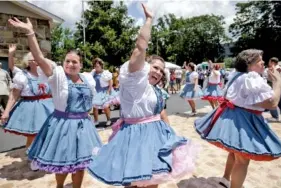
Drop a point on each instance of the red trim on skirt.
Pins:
(244, 154)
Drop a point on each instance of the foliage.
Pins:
(62, 41)
(190, 39)
(258, 25)
(109, 32)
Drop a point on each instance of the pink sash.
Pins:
(118, 124)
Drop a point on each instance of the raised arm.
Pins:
(138, 56)
(272, 103)
(33, 44)
(12, 50)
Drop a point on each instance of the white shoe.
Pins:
(193, 113)
(33, 166)
(97, 123)
(108, 123)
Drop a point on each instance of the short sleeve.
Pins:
(217, 72)
(41, 74)
(135, 82)
(91, 81)
(19, 81)
(58, 80)
(194, 75)
(106, 76)
(16, 70)
(256, 89)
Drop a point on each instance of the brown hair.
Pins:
(192, 66)
(99, 61)
(154, 57)
(77, 52)
(216, 67)
(246, 58)
(274, 60)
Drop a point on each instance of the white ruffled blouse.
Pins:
(20, 82)
(137, 96)
(249, 89)
(59, 87)
(106, 76)
(193, 76)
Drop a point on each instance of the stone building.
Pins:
(42, 21)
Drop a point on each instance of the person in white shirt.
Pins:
(237, 125)
(213, 91)
(273, 64)
(105, 95)
(178, 73)
(67, 138)
(142, 150)
(191, 90)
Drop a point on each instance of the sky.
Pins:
(71, 10)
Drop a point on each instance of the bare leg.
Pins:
(29, 140)
(215, 102)
(60, 178)
(107, 113)
(96, 114)
(192, 105)
(239, 171)
(229, 166)
(77, 179)
(212, 104)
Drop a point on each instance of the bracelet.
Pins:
(30, 33)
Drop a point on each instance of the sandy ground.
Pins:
(15, 172)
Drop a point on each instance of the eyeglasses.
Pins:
(97, 61)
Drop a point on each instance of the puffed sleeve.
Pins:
(19, 81)
(136, 82)
(106, 76)
(16, 70)
(256, 89)
(41, 74)
(194, 75)
(91, 81)
(58, 80)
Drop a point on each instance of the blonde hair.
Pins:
(25, 60)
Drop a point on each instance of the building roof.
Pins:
(45, 14)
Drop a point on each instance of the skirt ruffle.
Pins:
(189, 93)
(64, 145)
(103, 100)
(212, 92)
(144, 154)
(28, 116)
(239, 131)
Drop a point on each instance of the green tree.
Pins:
(188, 39)
(62, 41)
(110, 32)
(258, 25)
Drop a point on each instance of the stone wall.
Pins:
(10, 35)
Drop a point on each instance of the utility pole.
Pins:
(84, 32)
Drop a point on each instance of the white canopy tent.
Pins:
(169, 65)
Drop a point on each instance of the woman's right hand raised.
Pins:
(274, 75)
(12, 48)
(27, 27)
(147, 12)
